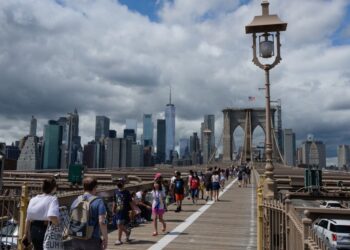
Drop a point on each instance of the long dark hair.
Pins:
(159, 182)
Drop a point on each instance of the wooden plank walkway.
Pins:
(227, 224)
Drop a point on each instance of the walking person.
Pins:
(179, 191)
(216, 185)
(158, 206)
(96, 219)
(194, 186)
(208, 183)
(121, 206)
(201, 185)
(222, 179)
(42, 210)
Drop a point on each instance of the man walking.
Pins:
(179, 191)
(95, 219)
(208, 183)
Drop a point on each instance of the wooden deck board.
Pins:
(225, 225)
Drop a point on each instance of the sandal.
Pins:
(154, 234)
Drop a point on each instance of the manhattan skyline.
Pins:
(118, 58)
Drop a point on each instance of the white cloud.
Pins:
(103, 59)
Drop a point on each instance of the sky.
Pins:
(118, 58)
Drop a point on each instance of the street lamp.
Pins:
(267, 27)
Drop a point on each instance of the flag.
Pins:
(251, 98)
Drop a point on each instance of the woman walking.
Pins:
(194, 185)
(42, 210)
(158, 207)
(216, 185)
(222, 179)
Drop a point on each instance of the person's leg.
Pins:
(155, 224)
(161, 219)
(193, 195)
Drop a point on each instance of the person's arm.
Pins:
(54, 220)
(54, 212)
(103, 228)
(27, 231)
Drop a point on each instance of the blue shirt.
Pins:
(97, 208)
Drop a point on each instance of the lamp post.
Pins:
(70, 139)
(268, 28)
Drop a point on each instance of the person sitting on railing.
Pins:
(42, 209)
(144, 205)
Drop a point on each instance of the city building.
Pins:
(112, 134)
(209, 124)
(169, 130)
(136, 155)
(147, 130)
(343, 156)
(112, 152)
(130, 134)
(313, 152)
(101, 128)
(52, 145)
(289, 146)
(184, 148)
(131, 124)
(12, 152)
(195, 149)
(207, 147)
(125, 153)
(33, 125)
(89, 155)
(161, 140)
(29, 158)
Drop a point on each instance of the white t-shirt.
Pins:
(158, 199)
(139, 196)
(215, 178)
(172, 180)
(42, 206)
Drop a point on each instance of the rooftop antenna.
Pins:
(170, 95)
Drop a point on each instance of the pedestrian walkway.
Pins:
(227, 224)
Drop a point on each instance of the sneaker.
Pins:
(118, 242)
(207, 198)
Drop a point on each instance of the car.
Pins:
(335, 233)
(9, 235)
(331, 204)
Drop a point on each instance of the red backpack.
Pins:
(194, 183)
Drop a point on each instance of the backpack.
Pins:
(79, 226)
(119, 201)
(194, 183)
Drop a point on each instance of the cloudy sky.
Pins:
(118, 58)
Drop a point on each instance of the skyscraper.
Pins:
(207, 147)
(147, 130)
(343, 156)
(102, 128)
(112, 153)
(33, 124)
(136, 155)
(29, 157)
(161, 140)
(289, 147)
(170, 130)
(131, 124)
(52, 145)
(195, 149)
(130, 134)
(184, 148)
(209, 124)
(314, 153)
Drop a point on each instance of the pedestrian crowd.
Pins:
(89, 215)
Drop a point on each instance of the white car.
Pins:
(330, 204)
(335, 233)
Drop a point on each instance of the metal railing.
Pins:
(9, 215)
(281, 226)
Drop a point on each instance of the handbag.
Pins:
(53, 237)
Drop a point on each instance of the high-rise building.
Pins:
(170, 130)
(184, 148)
(313, 153)
(207, 147)
(29, 157)
(195, 149)
(130, 134)
(102, 128)
(161, 140)
(289, 146)
(33, 125)
(112, 134)
(89, 155)
(12, 152)
(209, 124)
(131, 124)
(112, 153)
(147, 130)
(52, 145)
(343, 156)
(136, 155)
(125, 153)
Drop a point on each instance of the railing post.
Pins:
(23, 214)
(306, 229)
(287, 203)
(260, 220)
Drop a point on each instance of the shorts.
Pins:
(179, 197)
(216, 185)
(157, 211)
(209, 187)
